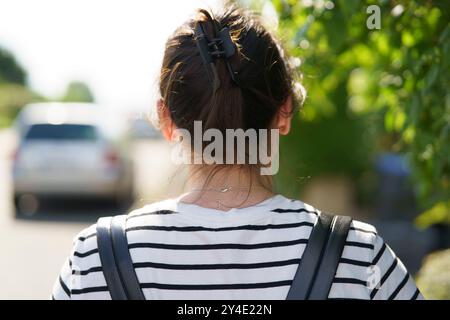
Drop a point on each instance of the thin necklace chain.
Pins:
(225, 189)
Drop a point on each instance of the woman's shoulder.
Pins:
(360, 229)
(159, 208)
(363, 242)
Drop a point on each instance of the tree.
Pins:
(394, 81)
(10, 70)
(14, 93)
(78, 91)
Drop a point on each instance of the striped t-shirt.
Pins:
(184, 251)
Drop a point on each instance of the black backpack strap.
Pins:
(320, 259)
(120, 264)
(106, 252)
(123, 259)
(331, 256)
(304, 277)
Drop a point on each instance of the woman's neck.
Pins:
(226, 187)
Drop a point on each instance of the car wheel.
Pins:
(25, 205)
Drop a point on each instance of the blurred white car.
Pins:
(65, 149)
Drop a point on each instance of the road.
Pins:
(32, 250)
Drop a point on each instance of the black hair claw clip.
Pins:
(212, 49)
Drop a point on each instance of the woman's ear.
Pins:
(165, 121)
(284, 117)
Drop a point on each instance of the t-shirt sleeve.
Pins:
(389, 279)
(61, 288)
(67, 277)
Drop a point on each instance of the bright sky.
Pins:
(115, 46)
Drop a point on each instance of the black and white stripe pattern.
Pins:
(185, 251)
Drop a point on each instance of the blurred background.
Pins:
(78, 84)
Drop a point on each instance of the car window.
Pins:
(61, 132)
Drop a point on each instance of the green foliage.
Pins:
(433, 278)
(394, 82)
(14, 93)
(10, 70)
(78, 92)
(12, 98)
(438, 214)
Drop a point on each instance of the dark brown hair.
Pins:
(264, 76)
